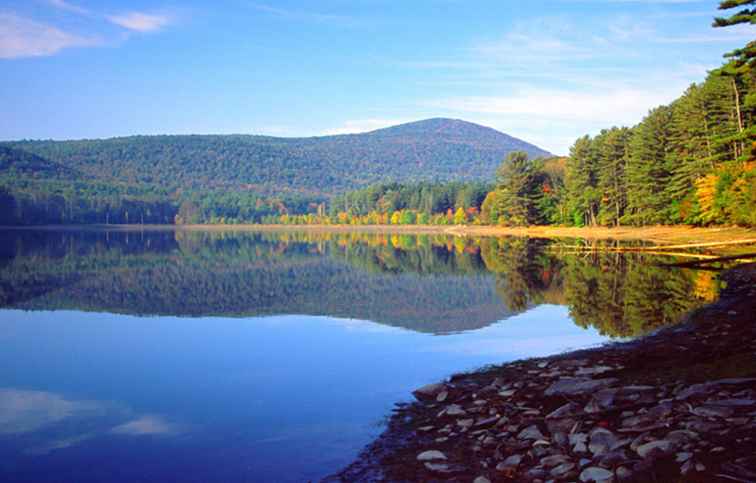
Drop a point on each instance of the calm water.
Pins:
(162, 356)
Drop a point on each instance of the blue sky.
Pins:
(544, 71)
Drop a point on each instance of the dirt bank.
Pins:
(679, 405)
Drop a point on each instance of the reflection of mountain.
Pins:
(433, 284)
(235, 276)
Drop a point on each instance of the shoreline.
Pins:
(659, 234)
(677, 405)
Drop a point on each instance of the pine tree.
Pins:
(582, 197)
(612, 149)
(648, 169)
(514, 203)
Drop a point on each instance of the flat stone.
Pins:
(566, 410)
(531, 432)
(662, 445)
(590, 371)
(465, 423)
(481, 479)
(601, 441)
(455, 410)
(431, 455)
(712, 411)
(577, 441)
(683, 457)
(482, 423)
(431, 391)
(594, 473)
(570, 386)
(438, 467)
(511, 461)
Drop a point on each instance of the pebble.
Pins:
(455, 410)
(437, 467)
(594, 473)
(431, 455)
(531, 432)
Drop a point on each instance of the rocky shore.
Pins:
(679, 405)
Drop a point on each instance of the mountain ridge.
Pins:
(436, 149)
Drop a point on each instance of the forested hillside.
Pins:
(232, 178)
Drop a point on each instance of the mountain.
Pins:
(433, 149)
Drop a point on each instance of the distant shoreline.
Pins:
(657, 234)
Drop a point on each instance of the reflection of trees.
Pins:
(625, 295)
(523, 271)
(428, 279)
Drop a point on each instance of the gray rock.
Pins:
(590, 371)
(511, 461)
(455, 410)
(568, 409)
(601, 441)
(577, 441)
(683, 457)
(712, 411)
(594, 473)
(662, 445)
(531, 432)
(465, 423)
(438, 467)
(570, 386)
(431, 391)
(481, 479)
(482, 423)
(605, 397)
(562, 470)
(431, 455)
(442, 396)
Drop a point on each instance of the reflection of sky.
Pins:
(284, 397)
(23, 411)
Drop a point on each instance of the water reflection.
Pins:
(436, 284)
(189, 356)
(43, 421)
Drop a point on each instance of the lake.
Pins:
(164, 355)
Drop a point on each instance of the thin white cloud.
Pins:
(69, 7)
(140, 21)
(362, 125)
(553, 118)
(304, 15)
(21, 37)
(26, 411)
(146, 425)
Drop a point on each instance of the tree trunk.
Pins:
(737, 111)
